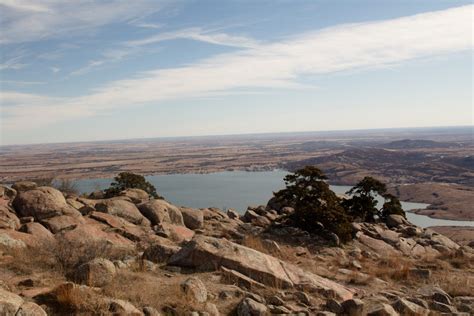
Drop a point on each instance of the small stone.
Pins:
(150, 311)
(194, 290)
(249, 307)
(405, 307)
(333, 306)
(303, 297)
(421, 273)
(356, 264)
(275, 300)
(441, 298)
(232, 214)
(443, 308)
(382, 310)
(353, 307)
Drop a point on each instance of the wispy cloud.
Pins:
(126, 49)
(21, 83)
(24, 5)
(109, 56)
(55, 69)
(26, 21)
(13, 63)
(279, 64)
(198, 34)
(148, 25)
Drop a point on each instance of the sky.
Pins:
(89, 70)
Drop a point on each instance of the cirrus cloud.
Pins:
(280, 64)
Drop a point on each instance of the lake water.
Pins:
(237, 190)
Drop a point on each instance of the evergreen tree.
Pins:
(129, 180)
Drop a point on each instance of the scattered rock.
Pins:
(233, 214)
(9, 303)
(160, 211)
(42, 203)
(123, 209)
(30, 309)
(8, 218)
(249, 307)
(394, 221)
(150, 311)
(7, 193)
(443, 308)
(159, 253)
(441, 298)
(193, 219)
(353, 307)
(97, 272)
(64, 222)
(135, 195)
(381, 309)
(22, 186)
(121, 307)
(420, 273)
(405, 307)
(194, 290)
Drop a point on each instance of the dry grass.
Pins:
(395, 268)
(60, 257)
(282, 252)
(456, 285)
(71, 299)
(146, 289)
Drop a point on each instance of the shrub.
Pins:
(129, 180)
(313, 201)
(363, 204)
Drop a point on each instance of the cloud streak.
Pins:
(27, 21)
(280, 64)
(198, 34)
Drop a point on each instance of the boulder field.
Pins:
(63, 254)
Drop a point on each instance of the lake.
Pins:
(237, 190)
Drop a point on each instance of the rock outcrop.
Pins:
(207, 253)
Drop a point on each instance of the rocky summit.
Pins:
(63, 254)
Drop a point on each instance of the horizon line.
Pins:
(239, 134)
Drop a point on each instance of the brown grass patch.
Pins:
(394, 268)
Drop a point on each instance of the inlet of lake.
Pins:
(237, 190)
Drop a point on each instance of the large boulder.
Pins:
(159, 253)
(378, 246)
(193, 219)
(8, 218)
(135, 195)
(394, 221)
(9, 239)
(160, 211)
(38, 231)
(30, 309)
(14, 305)
(123, 209)
(42, 203)
(95, 232)
(10, 303)
(208, 253)
(64, 222)
(21, 186)
(97, 272)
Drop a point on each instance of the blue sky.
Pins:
(97, 70)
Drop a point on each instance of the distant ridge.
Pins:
(416, 143)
